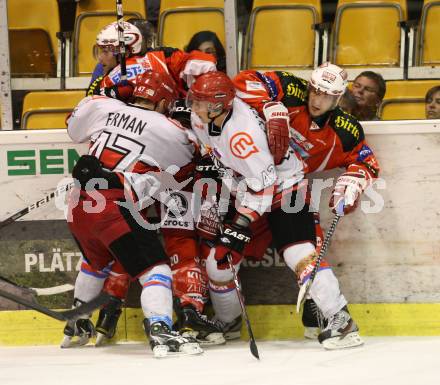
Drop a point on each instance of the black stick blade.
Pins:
(254, 349)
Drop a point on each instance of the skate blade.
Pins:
(311, 333)
(101, 340)
(209, 340)
(232, 335)
(351, 340)
(190, 348)
(212, 339)
(69, 342)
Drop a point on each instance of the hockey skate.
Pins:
(78, 333)
(341, 332)
(312, 319)
(107, 321)
(231, 330)
(191, 323)
(164, 342)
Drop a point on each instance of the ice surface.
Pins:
(381, 361)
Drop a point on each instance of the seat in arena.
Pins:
(32, 35)
(179, 20)
(366, 33)
(405, 99)
(281, 34)
(429, 32)
(48, 109)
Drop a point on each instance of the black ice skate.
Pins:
(341, 332)
(194, 324)
(312, 319)
(79, 332)
(231, 330)
(108, 320)
(165, 342)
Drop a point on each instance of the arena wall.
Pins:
(386, 254)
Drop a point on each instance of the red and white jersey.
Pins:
(240, 145)
(182, 66)
(132, 141)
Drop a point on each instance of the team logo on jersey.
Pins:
(242, 145)
(181, 203)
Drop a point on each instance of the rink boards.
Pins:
(387, 258)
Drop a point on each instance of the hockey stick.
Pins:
(35, 205)
(252, 343)
(66, 315)
(41, 291)
(119, 18)
(304, 290)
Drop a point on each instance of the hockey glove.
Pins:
(205, 168)
(89, 167)
(349, 187)
(123, 92)
(181, 113)
(231, 241)
(277, 127)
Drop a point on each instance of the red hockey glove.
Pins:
(232, 240)
(277, 126)
(349, 187)
(120, 91)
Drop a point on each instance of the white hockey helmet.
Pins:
(108, 38)
(329, 79)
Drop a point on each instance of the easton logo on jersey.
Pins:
(242, 145)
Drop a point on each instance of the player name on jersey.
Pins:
(126, 122)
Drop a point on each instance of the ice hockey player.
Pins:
(181, 242)
(129, 154)
(235, 137)
(325, 136)
(107, 45)
(182, 66)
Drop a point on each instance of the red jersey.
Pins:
(182, 66)
(334, 140)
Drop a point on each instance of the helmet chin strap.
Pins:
(212, 118)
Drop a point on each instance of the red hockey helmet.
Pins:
(155, 86)
(215, 88)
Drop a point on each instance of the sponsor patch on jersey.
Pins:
(364, 153)
(181, 217)
(132, 72)
(254, 86)
(242, 145)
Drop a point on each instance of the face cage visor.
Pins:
(200, 105)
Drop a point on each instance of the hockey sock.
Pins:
(156, 296)
(325, 289)
(89, 283)
(225, 301)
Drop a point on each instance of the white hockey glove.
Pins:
(277, 127)
(349, 187)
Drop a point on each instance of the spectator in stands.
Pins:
(208, 42)
(432, 103)
(368, 90)
(348, 102)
